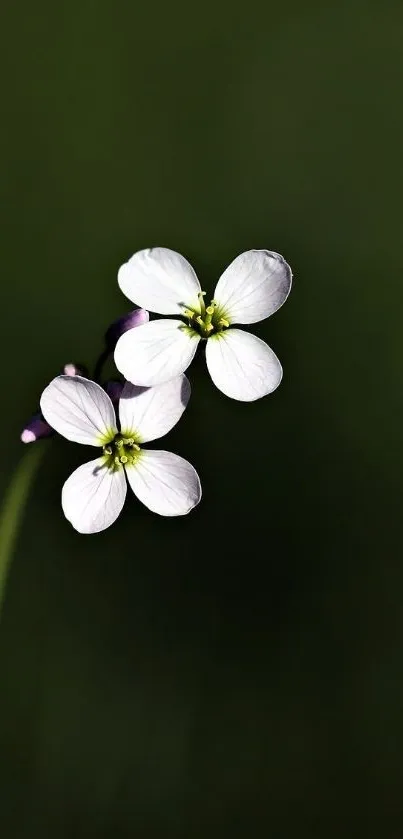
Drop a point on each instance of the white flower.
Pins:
(253, 286)
(94, 494)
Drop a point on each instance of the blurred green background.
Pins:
(238, 672)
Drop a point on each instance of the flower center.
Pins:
(209, 320)
(120, 451)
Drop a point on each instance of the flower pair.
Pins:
(152, 356)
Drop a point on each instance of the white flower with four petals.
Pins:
(93, 496)
(251, 289)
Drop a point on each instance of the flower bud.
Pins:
(35, 429)
(129, 321)
(73, 369)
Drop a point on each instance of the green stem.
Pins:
(12, 510)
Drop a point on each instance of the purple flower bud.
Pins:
(135, 318)
(73, 369)
(114, 389)
(35, 429)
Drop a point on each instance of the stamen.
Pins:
(123, 450)
(201, 301)
(207, 320)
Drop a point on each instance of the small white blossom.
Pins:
(93, 496)
(241, 365)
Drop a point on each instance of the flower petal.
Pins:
(254, 286)
(156, 352)
(160, 280)
(93, 496)
(242, 366)
(80, 410)
(149, 413)
(166, 483)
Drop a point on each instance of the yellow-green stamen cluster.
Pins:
(209, 320)
(121, 451)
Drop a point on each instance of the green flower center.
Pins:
(120, 451)
(209, 321)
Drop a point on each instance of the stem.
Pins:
(12, 510)
(100, 363)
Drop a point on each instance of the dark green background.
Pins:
(238, 672)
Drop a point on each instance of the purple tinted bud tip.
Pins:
(114, 389)
(35, 429)
(72, 369)
(135, 318)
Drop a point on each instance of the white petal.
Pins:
(155, 352)
(93, 496)
(79, 410)
(254, 286)
(160, 280)
(242, 366)
(166, 483)
(149, 413)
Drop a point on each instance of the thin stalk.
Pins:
(12, 510)
(100, 364)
